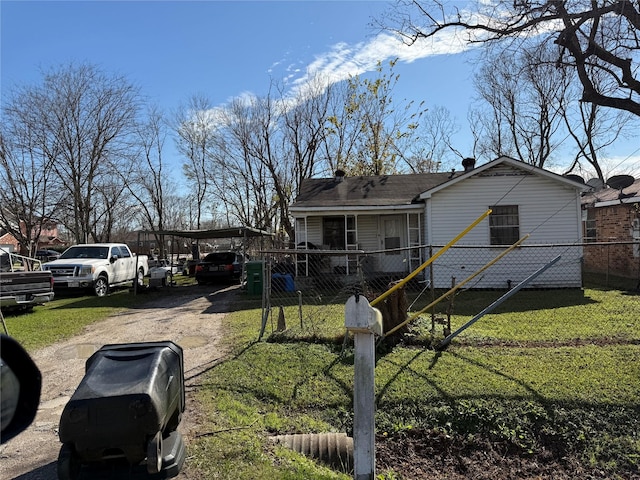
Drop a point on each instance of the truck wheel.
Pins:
(101, 286)
(154, 454)
(68, 464)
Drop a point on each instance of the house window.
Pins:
(352, 234)
(391, 235)
(589, 224)
(504, 225)
(339, 232)
(333, 233)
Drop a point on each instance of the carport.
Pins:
(210, 234)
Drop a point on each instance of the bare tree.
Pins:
(527, 97)
(238, 179)
(593, 37)
(340, 139)
(195, 127)
(593, 128)
(24, 175)
(118, 213)
(150, 182)
(530, 107)
(247, 146)
(264, 148)
(79, 121)
(432, 149)
(303, 126)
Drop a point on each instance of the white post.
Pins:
(364, 456)
(363, 321)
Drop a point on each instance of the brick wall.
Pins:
(613, 224)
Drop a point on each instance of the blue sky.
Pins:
(223, 49)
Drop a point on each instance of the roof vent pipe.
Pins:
(339, 176)
(468, 164)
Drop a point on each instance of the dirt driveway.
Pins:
(189, 316)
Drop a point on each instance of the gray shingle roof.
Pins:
(612, 194)
(367, 191)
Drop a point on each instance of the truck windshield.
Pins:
(86, 252)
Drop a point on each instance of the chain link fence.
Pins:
(310, 286)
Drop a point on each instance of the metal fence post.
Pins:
(363, 321)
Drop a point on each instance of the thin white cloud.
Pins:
(345, 60)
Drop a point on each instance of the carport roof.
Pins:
(230, 232)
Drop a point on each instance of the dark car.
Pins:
(47, 255)
(223, 267)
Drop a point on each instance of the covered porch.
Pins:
(354, 243)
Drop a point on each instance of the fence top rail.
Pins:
(303, 251)
(545, 245)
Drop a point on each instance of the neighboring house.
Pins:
(9, 242)
(403, 212)
(48, 238)
(611, 217)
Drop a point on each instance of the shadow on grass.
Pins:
(259, 391)
(203, 369)
(223, 298)
(471, 302)
(227, 299)
(604, 282)
(117, 298)
(407, 367)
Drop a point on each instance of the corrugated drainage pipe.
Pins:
(332, 449)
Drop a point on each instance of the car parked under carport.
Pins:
(220, 267)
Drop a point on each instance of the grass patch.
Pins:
(587, 374)
(542, 374)
(65, 317)
(543, 316)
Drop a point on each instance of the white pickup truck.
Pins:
(97, 266)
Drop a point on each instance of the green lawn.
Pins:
(67, 315)
(64, 317)
(554, 370)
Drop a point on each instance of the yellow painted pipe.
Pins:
(458, 286)
(430, 260)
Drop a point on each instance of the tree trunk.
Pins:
(394, 311)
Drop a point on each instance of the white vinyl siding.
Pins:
(547, 210)
(368, 232)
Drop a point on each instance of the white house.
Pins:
(395, 220)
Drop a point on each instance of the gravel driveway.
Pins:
(191, 319)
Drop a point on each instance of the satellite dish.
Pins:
(595, 183)
(575, 178)
(620, 182)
